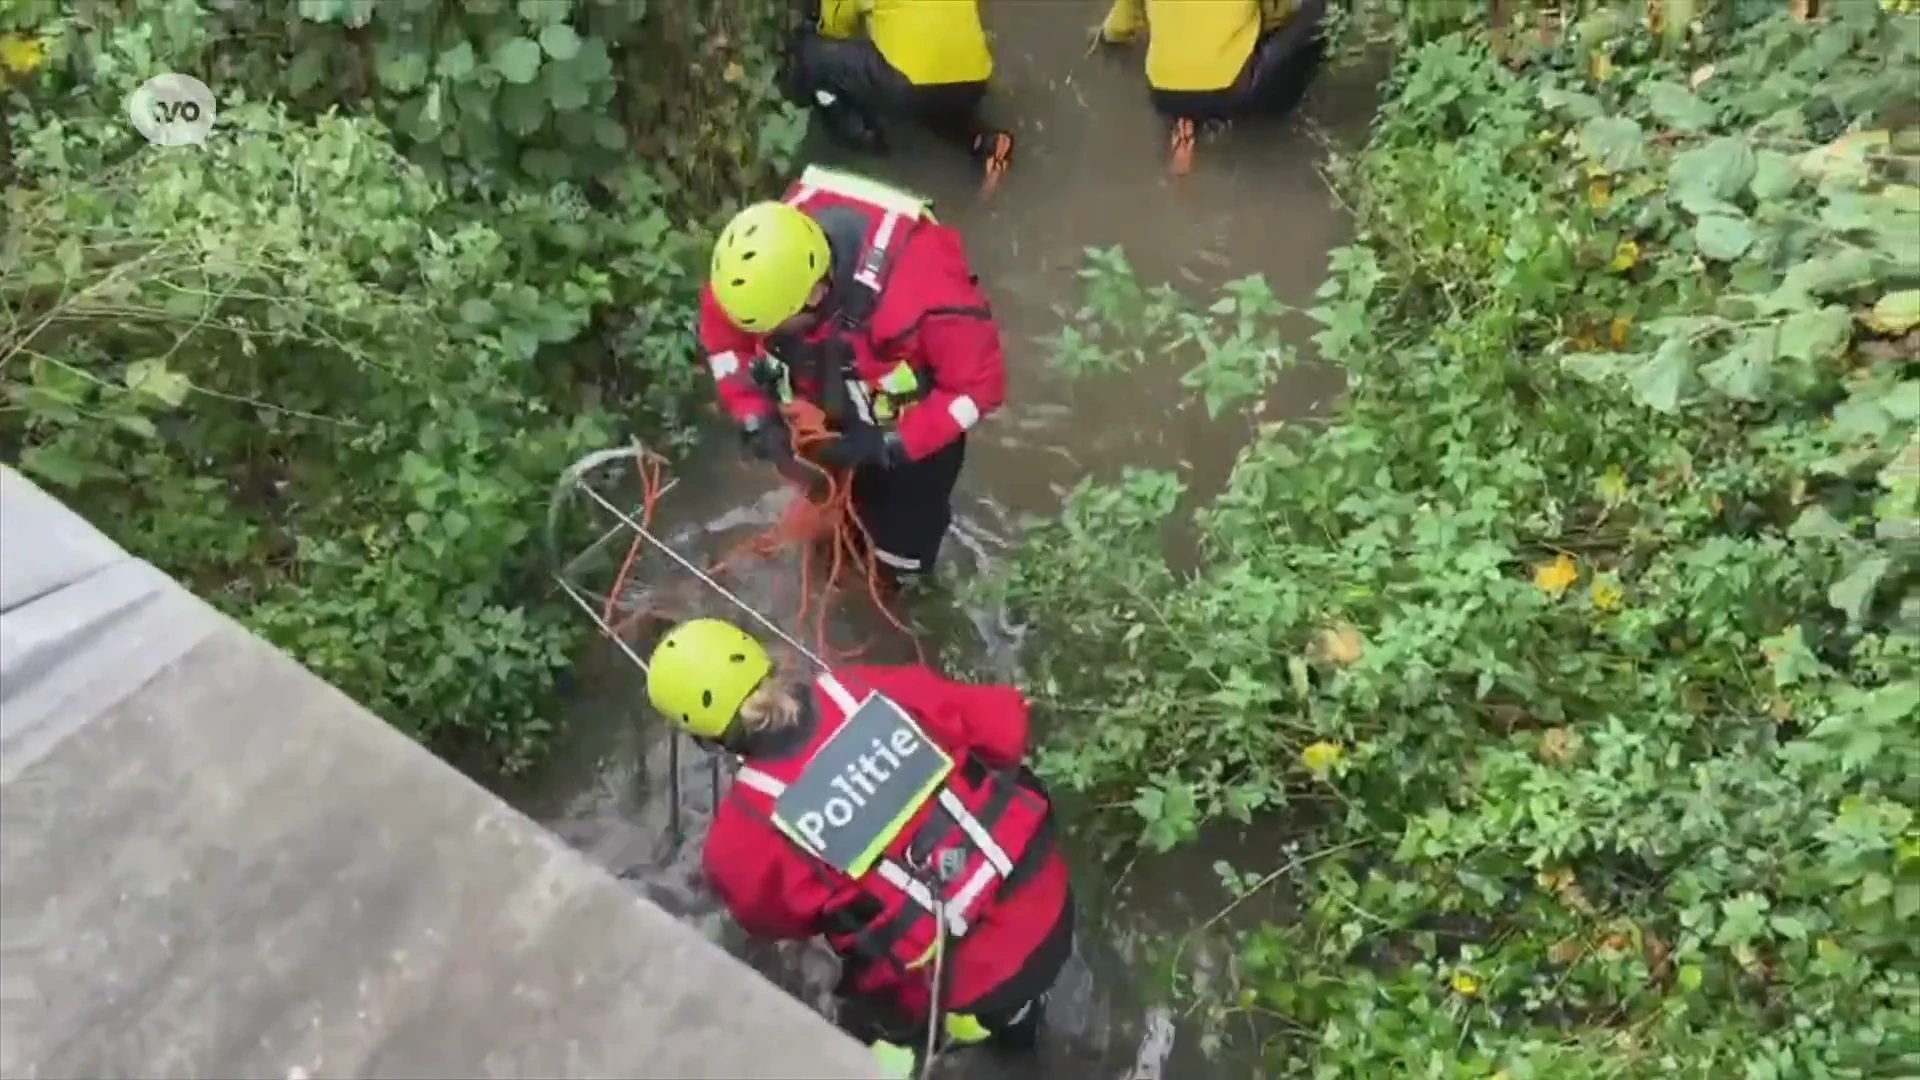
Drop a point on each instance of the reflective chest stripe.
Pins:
(995, 862)
(870, 396)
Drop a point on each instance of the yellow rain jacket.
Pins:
(1196, 45)
(931, 42)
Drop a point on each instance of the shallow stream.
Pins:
(1091, 172)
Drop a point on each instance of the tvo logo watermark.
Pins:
(172, 110)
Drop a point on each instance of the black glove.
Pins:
(770, 442)
(862, 446)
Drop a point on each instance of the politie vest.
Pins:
(876, 801)
(879, 393)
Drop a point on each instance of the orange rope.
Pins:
(830, 522)
(652, 482)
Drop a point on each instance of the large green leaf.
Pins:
(1615, 142)
(517, 60)
(457, 62)
(1853, 593)
(1662, 379)
(560, 41)
(523, 109)
(1718, 170)
(1745, 371)
(1723, 238)
(403, 70)
(1678, 107)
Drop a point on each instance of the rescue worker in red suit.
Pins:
(888, 809)
(849, 294)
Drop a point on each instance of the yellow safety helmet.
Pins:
(702, 671)
(768, 258)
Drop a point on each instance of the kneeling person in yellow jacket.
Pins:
(1218, 60)
(923, 61)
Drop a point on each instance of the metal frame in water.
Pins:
(578, 479)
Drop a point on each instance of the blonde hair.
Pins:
(773, 704)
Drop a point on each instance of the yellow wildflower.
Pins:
(1464, 984)
(1556, 577)
(1319, 758)
(1605, 595)
(21, 55)
(1599, 193)
(1626, 256)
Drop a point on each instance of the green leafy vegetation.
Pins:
(1581, 650)
(326, 368)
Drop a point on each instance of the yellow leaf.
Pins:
(20, 54)
(1319, 758)
(1846, 155)
(1599, 193)
(1340, 644)
(1612, 485)
(1556, 577)
(1602, 67)
(1699, 76)
(734, 73)
(1557, 746)
(1626, 256)
(1464, 984)
(1554, 880)
(1896, 313)
(1617, 330)
(1802, 10)
(1565, 951)
(1606, 595)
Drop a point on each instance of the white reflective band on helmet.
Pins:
(898, 562)
(964, 412)
(759, 781)
(723, 364)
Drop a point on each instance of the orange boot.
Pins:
(995, 151)
(1183, 140)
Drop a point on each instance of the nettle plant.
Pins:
(1583, 646)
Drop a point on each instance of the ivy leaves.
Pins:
(520, 83)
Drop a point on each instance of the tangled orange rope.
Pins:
(824, 527)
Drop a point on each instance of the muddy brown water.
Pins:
(1091, 172)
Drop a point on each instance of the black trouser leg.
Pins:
(1283, 64)
(952, 113)
(907, 509)
(848, 85)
